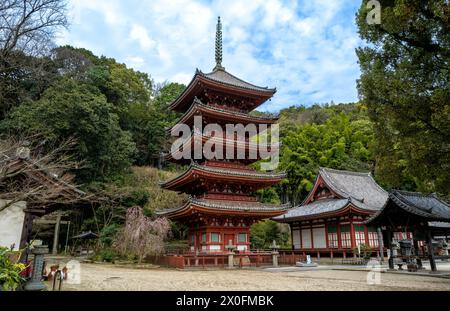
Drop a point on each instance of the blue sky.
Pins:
(304, 48)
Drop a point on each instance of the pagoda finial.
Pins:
(218, 45)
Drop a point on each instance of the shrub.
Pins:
(108, 234)
(366, 251)
(107, 255)
(10, 278)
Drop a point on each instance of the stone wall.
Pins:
(11, 224)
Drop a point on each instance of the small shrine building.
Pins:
(331, 219)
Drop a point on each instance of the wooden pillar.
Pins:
(416, 252)
(352, 234)
(431, 251)
(338, 227)
(292, 235)
(380, 244)
(366, 235)
(56, 234)
(391, 249)
(26, 229)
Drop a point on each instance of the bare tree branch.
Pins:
(41, 179)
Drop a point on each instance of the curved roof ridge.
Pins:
(244, 84)
(400, 194)
(236, 171)
(332, 184)
(227, 171)
(227, 205)
(217, 203)
(319, 207)
(358, 186)
(321, 168)
(198, 103)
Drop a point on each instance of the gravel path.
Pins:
(109, 277)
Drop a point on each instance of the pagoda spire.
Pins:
(219, 46)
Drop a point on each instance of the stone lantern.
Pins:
(230, 247)
(35, 283)
(274, 253)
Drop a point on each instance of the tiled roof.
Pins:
(224, 77)
(219, 141)
(361, 187)
(316, 208)
(234, 172)
(439, 224)
(217, 79)
(248, 207)
(427, 206)
(197, 103)
(226, 172)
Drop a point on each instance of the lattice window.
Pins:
(242, 237)
(373, 237)
(215, 237)
(332, 237)
(346, 239)
(360, 235)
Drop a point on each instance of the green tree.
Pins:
(405, 83)
(263, 233)
(27, 29)
(73, 109)
(342, 138)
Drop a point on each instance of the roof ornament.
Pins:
(218, 46)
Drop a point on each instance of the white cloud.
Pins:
(139, 33)
(304, 48)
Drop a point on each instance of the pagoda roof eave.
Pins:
(232, 208)
(201, 79)
(195, 171)
(218, 140)
(223, 114)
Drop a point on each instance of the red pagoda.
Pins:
(222, 204)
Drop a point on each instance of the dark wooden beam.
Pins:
(431, 251)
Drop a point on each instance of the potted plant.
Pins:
(10, 270)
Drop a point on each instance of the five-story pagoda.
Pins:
(222, 205)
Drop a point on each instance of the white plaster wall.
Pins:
(11, 224)
(296, 238)
(306, 238)
(319, 238)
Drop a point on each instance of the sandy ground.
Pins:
(110, 277)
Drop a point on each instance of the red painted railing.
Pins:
(257, 258)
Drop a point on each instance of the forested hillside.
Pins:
(335, 136)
